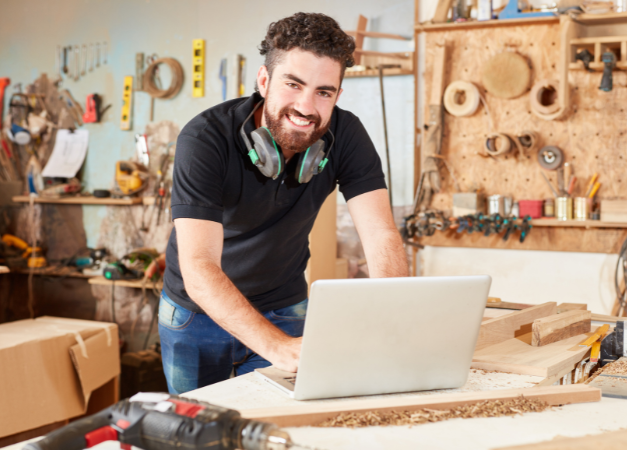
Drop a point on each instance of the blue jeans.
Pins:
(197, 352)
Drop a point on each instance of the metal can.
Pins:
(507, 206)
(495, 205)
(564, 208)
(581, 208)
(549, 208)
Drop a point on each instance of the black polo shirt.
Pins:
(266, 222)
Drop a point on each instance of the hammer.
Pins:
(4, 82)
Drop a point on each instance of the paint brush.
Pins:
(550, 185)
(591, 184)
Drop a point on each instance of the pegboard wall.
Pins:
(592, 134)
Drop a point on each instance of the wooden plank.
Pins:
(125, 283)
(608, 319)
(577, 223)
(399, 55)
(80, 200)
(511, 325)
(375, 34)
(437, 87)
(515, 356)
(375, 73)
(563, 307)
(306, 414)
(362, 23)
(559, 327)
(614, 440)
(453, 26)
(323, 243)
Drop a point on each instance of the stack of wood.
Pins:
(541, 340)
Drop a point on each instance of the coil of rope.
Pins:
(175, 85)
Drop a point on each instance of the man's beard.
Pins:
(293, 140)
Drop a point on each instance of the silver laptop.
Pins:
(383, 335)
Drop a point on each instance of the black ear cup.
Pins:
(309, 162)
(271, 162)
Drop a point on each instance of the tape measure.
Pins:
(125, 121)
(550, 157)
(198, 68)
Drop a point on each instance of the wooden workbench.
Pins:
(249, 392)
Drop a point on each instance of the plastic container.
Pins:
(531, 208)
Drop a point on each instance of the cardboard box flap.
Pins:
(96, 360)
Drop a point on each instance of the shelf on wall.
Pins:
(448, 26)
(576, 223)
(602, 19)
(139, 283)
(51, 271)
(375, 73)
(81, 200)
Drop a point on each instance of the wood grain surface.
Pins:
(509, 326)
(559, 327)
(592, 134)
(310, 414)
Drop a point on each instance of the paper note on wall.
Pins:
(68, 154)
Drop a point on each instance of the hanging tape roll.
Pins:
(461, 98)
(544, 98)
(498, 144)
(175, 85)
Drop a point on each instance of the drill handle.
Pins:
(73, 436)
(606, 81)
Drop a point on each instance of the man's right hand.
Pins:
(287, 354)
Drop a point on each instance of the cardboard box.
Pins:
(467, 203)
(49, 367)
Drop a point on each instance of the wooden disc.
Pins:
(506, 75)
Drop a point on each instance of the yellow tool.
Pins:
(198, 68)
(596, 336)
(125, 122)
(596, 187)
(33, 255)
(130, 177)
(591, 183)
(595, 352)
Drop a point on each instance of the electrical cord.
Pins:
(177, 79)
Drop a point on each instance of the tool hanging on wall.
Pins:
(77, 62)
(198, 68)
(152, 82)
(461, 98)
(4, 82)
(511, 11)
(550, 157)
(506, 75)
(92, 56)
(609, 63)
(543, 99)
(382, 67)
(235, 81)
(94, 109)
(222, 75)
(125, 121)
(430, 177)
(139, 71)
(130, 177)
(586, 58)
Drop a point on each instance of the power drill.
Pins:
(159, 421)
(609, 59)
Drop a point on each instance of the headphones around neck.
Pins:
(270, 161)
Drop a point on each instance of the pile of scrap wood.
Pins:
(543, 340)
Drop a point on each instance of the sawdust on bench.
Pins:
(486, 408)
(618, 367)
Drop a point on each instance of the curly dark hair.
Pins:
(312, 32)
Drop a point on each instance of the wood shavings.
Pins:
(618, 367)
(487, 408)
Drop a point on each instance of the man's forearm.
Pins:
(386, 255)
(212, 290)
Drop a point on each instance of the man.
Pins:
(234, 294)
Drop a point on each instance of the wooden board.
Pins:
(81, 200)
(559, 327)
(614, 440)
(509, 326)
(563, 307)
(515, 356)
(590, 135)
(310, 414)
(139, 283)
